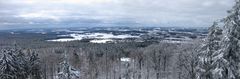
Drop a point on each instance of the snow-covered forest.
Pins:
(215, 57)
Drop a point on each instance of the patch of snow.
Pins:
(101, 41)
(124, 59)
(42, 32)
(62, 40)
(12, 32)
(171, 41)
(104, 36)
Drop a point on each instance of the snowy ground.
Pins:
(102, 37)
(124, 59)
(101, 41)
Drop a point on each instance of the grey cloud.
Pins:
(114, 12)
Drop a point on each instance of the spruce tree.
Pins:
(230, 44)
(66, 71)
(206, 53)
(15, 64)
(34, 65)
(12, 65)
(8, 66)
(224, 62)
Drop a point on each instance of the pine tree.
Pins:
(230, 48)
(34, 65)
(22, 63)
(12, 65)
(206, 53)
(66, 71)
(8, 65)
(227, 59)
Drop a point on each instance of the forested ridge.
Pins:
(215, 57)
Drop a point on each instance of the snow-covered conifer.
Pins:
(34, 65)
(66, 71)
(230, 52)
(10, 67)
(205, 56)
(224, 62)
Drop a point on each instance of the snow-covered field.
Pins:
(101, 41)
(101, 37)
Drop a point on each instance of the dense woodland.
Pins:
(103, 61)
(215, 57)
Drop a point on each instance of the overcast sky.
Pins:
(58, 13)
